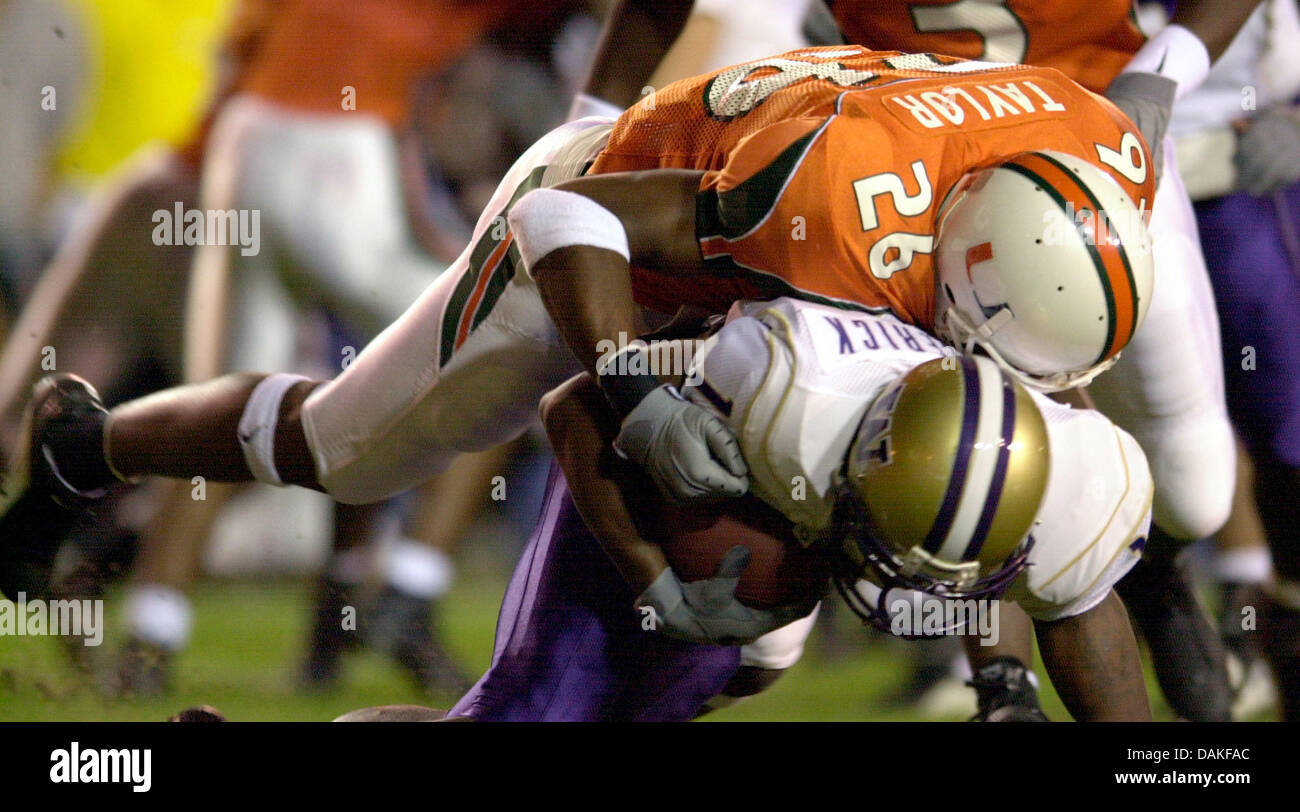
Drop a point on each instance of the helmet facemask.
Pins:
(954, 326)
(939, 490)
(857, 554)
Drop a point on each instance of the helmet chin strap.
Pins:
(967, 336)
(994, 323)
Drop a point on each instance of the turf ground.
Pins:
(249, 639)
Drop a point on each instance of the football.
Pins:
(696, 538)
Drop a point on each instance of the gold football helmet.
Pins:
(941, 487)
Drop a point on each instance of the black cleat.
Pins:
(144, 671)
(402, 627)
(329, 636)
(199, 713)
(38, 503)
(1005, 693)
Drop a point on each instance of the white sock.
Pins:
(1252, 565)
(417, 569)
(159, 615)
(959, 667)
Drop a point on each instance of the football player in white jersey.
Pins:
(911, 467)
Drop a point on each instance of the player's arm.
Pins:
(606, 490)
(1173, 63)
(1214, 22)
(578, 242)
(1092, 659)
(639, 218)
(581, 427)
(636, 36)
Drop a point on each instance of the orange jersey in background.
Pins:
(1088, 40)
(825, 168)
(311, 50)
(301, 54)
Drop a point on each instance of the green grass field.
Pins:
(249, 639)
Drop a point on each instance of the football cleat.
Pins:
(402, 627)
(38, 503)
(199, 713)
(329, 639)
(1045, 263)
(1005, 692)
(143, 671)
(940, 489)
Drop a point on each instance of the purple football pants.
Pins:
(570, 646)
(1252, 250)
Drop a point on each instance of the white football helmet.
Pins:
(1045, 262)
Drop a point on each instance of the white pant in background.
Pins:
(1167, 388)
(333, 229)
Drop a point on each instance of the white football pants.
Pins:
(331, 231)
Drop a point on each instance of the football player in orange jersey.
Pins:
(838, 175)
(1168, 389)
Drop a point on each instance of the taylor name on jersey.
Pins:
(826, 169)
(794, 381)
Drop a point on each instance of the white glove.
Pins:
(687, 451)
(707, 611)
(1268, 152)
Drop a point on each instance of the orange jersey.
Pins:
(825, 168)
(311, 50)
(301, 54)
(1088, 40)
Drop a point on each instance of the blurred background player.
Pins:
(1240, 133)
(307, 140)
(122, 344)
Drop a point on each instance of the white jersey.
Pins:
(794, 379)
